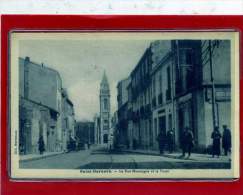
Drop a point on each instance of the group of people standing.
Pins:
(187, 141)
(166, 139)
(226, 141)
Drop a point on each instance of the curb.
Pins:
(172, 157)
(41, 157)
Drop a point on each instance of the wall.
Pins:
(159, 50)
(43, 84)
(220, 60)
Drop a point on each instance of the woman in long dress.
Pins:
(216, 136)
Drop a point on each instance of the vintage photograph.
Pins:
(124, 105)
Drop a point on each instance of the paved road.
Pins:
(69, 160)
(103, 159)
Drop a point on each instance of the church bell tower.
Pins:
(104, 110)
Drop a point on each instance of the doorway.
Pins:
(162, 124)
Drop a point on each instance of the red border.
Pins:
(97, 22)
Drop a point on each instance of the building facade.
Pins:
(140, 98)
(178, 84)
(68, 120)
(122, 112)
(104, 110)
(40, 107)
(161, 90)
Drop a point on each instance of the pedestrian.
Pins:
(161, 141)
(170, 140)
(127, 143)
(134, 143)
(226, 140)
(216, 136)
(187, 142)
(41, 144)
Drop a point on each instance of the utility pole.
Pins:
(212, 84)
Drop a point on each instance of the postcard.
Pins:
(124, 105)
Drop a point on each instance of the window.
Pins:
(186, 56)
(105, 127)
(66, 123)
(170, 122)
(155, 127)
(154, 87)
(105, 138)
(160, 82)
(105, 122)
(105, 104)
(189, 57)
(168, 79)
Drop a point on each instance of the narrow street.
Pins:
(101, 158)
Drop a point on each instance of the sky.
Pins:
(81, 64)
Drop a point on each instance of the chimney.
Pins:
(26, 60)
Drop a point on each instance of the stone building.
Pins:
(178, 84)
(122, 100)
(68, 120)
(40, 107)
(161, 90)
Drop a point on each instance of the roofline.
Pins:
(46, 67)
(140, 60)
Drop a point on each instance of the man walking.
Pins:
(170, 140)
(41, 145)
(226, 140)
(187, 142)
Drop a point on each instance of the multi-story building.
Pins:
(40, 107)
(141, 102)
(122, 99)
(40, 95)
(178, 84)
(162, 88)
(68, 120)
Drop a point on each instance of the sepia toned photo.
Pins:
(124, 105)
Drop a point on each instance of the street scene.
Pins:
(137, 104)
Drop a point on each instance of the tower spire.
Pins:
(104, 79)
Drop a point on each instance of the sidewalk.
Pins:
(197, 157)
(29, 157)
